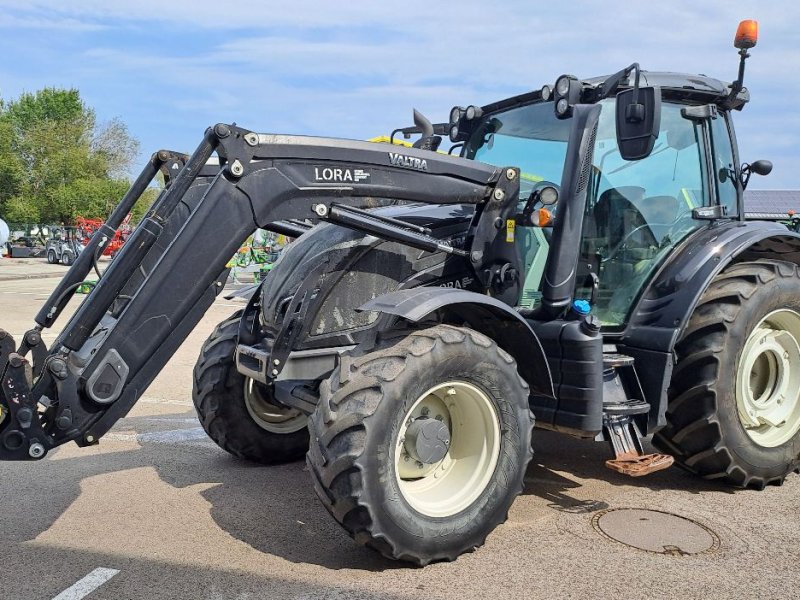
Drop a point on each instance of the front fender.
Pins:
(480, 312)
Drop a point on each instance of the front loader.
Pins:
(583, 265)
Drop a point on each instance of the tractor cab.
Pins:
(637, 211)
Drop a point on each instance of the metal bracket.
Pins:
(23, 437)
(32, 342)
(236, 147)
(495, 257)
(294, 320)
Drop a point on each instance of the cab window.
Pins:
(637, 211)
(724, 166)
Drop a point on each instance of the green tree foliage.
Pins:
(57, 162)
(11, 170)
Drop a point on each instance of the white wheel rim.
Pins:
(768, 380)
(451, 485)
(268, 416)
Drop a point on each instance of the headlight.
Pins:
(548, 195)
(454, 133)
(472, 112)
(567, 94)
(455, 115)
(546, 92)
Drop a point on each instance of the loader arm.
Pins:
(173, 266)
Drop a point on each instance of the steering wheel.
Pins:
(617, 212)
(648, 243)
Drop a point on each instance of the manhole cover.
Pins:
(655, 531)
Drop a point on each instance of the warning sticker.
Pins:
(510, 226)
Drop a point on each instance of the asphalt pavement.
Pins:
(156, 510)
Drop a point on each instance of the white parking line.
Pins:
(84, 587)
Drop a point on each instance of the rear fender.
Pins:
(663, 311)
(480, 312)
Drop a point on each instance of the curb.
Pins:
(22, 277)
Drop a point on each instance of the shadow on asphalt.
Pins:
(585, 459)
(153, 578)
(274, 509)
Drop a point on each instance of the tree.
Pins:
(11, 170)
(60, 162)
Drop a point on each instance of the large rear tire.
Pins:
(420, 446)
(734, 398)
(236, 412)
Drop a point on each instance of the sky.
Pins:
(355, 69)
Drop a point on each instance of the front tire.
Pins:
(734, 399)
(51, 257)
(455, 389)
(236, 412)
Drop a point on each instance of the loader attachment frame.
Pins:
(173, 267)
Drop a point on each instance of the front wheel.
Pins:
(734, 399)
(237, 412)
(51, 257)
(421, 444)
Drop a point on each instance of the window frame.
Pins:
(713, 168)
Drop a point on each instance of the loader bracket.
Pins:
(32, 342)
(23, 437)
(294, 319)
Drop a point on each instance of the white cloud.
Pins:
(8, 21)
(357, 68)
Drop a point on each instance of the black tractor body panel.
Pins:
(352, 268)
(575, 356)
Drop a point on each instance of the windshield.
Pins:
(529, 137)
(636, 211)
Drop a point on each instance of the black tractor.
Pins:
(582, 265)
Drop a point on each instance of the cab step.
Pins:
(622, 395)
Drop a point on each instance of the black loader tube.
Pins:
(287, 228)
(559, 282)
(343, 215)
(133, 252)
(83, 263)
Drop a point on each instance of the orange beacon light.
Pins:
(746, 34)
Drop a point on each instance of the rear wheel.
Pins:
(421, 445)
(67, 258)
(734, 407)
(237, 412)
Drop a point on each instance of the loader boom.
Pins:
(152, 295)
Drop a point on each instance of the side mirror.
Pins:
(638, 121)
(759, 167)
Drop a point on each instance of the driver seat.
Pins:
(660, 212)
(615, 214)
